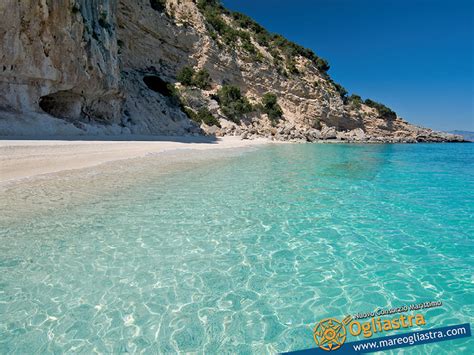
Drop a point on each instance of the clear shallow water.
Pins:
(245, 254)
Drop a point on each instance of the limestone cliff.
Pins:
(111, 67)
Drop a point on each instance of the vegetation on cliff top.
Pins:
(383, 110)
(283, 51)
(219, 28)
(355, 101)
(235, 29)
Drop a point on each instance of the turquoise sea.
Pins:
(238, 254)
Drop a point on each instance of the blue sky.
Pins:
(415, 56)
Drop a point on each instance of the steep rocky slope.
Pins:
(112, 67)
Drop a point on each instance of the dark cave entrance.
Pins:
(62, 104)
(158, 85)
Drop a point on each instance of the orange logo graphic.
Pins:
(330, 333)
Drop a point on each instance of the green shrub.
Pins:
(247, 44)
(202, 79)
(263, 39)
(213, 35)
(291, 50)
(242, 20)
(276, 55)
(188, 77)
(185, 76)
(271, 107)
(355, 101)
(249, 48)
(262, 36)
(383, 110)
(291, 66)
(258, 57)
(217, 25)
(206, 4)
(212, 11)
(341, 90)
(282, 71)
(279, 40)
(322, 64)
(174, 96)
(229, 93)
(203, 115)
(206, 116)
(233, 104)
(191, 114)
(229, 35)
(175, 99)
(213, 17)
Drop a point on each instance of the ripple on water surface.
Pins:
(240, 254)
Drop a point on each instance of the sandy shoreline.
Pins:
(21, 159)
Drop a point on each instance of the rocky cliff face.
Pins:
(59, 65)
(111, 67)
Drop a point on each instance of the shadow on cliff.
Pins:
(121, 138)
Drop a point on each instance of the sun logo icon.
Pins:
(330, 333)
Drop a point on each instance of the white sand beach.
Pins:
(27, 158)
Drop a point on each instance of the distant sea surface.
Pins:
(243, 254)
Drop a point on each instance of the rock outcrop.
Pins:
(72, 67)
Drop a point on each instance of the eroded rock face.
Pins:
(106, 66)
(60, 59)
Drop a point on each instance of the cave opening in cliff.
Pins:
(157, 84)
(158, 5)
(62, 104)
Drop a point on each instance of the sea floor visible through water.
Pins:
(236, 252)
